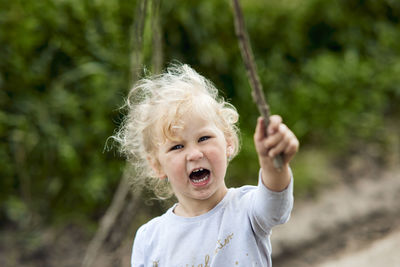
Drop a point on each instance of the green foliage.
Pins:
(330, 68)
(64, 67)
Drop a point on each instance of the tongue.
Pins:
(199, 175)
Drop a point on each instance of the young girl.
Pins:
(181, 136)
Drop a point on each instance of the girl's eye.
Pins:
(204, 138)
(176, 147)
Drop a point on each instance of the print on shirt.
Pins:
(220, 245)
(223, 244)
(206, 261)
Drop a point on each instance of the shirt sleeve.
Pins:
(270, 208)
(137, 259)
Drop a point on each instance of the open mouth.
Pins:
(199, 176)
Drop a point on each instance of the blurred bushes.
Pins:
(64, 68)
(330, 68)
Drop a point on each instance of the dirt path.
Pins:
(383, 252)
(344, 226)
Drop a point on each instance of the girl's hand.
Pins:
(280, 140)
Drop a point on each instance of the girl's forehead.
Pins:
(187, 125)
(193, 123)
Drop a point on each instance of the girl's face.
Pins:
(195, 163)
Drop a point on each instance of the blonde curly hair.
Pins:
(155, 106)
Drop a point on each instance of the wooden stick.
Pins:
(254, 80)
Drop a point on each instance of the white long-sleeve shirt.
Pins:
(236, 232)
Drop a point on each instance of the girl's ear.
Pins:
(230, 148)
(229, 151)
(156, 166)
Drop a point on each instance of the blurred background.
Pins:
(331, 69)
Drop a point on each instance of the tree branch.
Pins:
(137, 40)
(157, 57)
(107, 222)
(122, 194)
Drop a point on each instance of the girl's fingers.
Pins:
(292, 147)
(273, 126)
(279, 140)
(274, 139)
(274, 123)
(279, 147)
(284, 141)
(260, 130)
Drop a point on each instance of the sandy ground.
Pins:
(383, 252)
(354, 224)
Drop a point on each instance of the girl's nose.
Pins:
(194, 154)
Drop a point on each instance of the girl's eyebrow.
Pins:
(170, 142)
(207, 129)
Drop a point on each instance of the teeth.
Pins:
(198, 170)
(201, 180)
